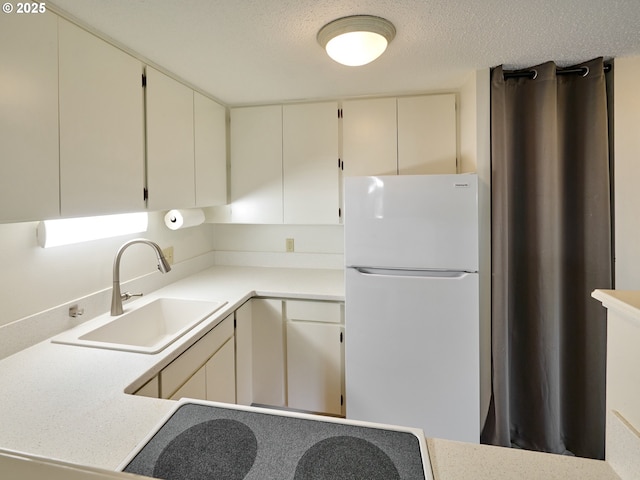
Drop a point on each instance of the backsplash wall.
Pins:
(315, 246)
(34, 279)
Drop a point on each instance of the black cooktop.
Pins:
(203, 441)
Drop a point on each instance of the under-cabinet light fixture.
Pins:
(66, 231)
(356, 40)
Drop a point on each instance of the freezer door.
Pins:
(412, 352)
(413, 221)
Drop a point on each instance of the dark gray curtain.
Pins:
(551, 247)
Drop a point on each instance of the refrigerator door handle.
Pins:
(401, 272)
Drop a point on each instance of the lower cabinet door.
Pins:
(195, 387)
(268, 353)
(220, 374)
(315, 367)
(150, 389)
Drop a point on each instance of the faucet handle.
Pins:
(127, 295)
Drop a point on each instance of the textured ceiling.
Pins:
(265, 51)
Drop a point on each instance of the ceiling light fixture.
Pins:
(356, 40)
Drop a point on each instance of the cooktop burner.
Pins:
(230, 443)
(345, 457)
(203, 440)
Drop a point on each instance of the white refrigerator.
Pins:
(412, 303)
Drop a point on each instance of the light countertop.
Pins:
(68, 403)
(625, 301)
(466, 461)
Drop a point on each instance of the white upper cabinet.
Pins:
(256, 164)
(310, 163)
(210, 151)
(370, 138)
(29, 187)
(170, 145)
(427, 134)
(406, 135)
(284, 164)
(101, 126)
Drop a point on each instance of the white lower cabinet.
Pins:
(291, 355)
(215, 380)
(150, 389)
(314, 367)
(269, 352)
(206, 370)
(220, 379)
(195, 387)
(315, 356)
(244, 356)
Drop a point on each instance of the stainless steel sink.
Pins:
(147, 329)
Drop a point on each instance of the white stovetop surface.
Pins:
(67, 403)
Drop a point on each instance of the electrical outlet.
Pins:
(289, 245)
(168, 254)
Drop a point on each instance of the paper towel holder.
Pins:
(178, 219)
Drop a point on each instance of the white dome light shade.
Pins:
(356, 40)
(356, 48)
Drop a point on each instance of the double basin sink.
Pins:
(149, 328)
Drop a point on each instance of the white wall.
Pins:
(315, 246)
(33, 279)
(467, 112)
(627, 172)
(475, 150)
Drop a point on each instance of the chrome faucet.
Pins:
(116, 296)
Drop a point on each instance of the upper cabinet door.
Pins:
(170, 146)
(369, 137)
(29, 188)
(427, 134)
(256, 164)
(210, 151)
(310, 163)
(101, 126)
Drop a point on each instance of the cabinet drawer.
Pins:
(326, 312)
(183, 367)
